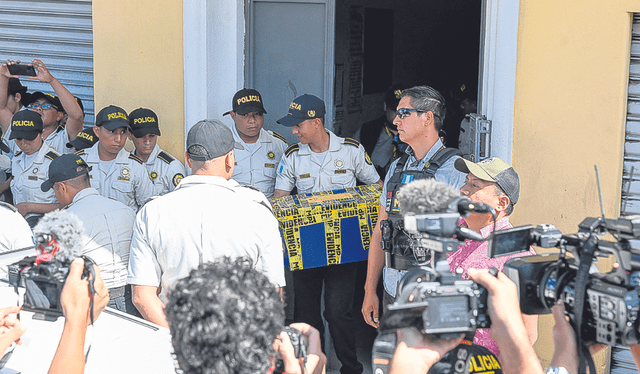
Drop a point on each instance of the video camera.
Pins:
(58, 241)
(436, 301)
(429, 297)
(604, 306)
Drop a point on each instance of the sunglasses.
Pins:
(406, 112)
(44, 106)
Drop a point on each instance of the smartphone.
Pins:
(19, 69)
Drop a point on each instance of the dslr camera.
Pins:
(43, 277)
(604, 306)
(300, 346)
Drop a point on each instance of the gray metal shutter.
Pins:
(621, 360)
(58, 32)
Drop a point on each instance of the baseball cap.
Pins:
(247, 100)
(26, 124)
(64, 168)
(85, 139)
(143, 121)
(52, 99)
(392, 97)
(303, 108)
(495, 170)
(112, 117)
(209, 139)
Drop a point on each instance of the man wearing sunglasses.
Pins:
(419, 118)
(51, 108)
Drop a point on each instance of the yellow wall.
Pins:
(138, 62)
(570, 105)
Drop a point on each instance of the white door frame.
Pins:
(498, 58)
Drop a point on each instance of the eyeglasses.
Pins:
(406, 112)
(44, 106)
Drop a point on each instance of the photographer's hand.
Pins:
(4, 70)
(316, 360)
(43, 73)
(565, 352)
(417, 353)
(282, 345)
(76, 304)
(10, 328)
(507, 328)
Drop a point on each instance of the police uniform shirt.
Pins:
(446, 173)
(15, 233)
(165, 172)
(204, 219)
(345, 161)
(126, 180)
(28, 175)
(256, 163)
(108, 227)
(57, 140)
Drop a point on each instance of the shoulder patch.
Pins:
(17, 153)
(279, 136)
(292, 148)
(8, 206)
(51, 155)
(164, 156)
(135, 158)
(352, 142)
(177, 178)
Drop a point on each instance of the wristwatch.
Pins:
(556, 370)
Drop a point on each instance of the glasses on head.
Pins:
(44, 106)
(406, 112)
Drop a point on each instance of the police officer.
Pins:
(30, 165)
(380, 136)
(115, 172)
(52, 108)
(108, 225)
(419, 118)
(165, 172)
(257, 150)
(323, 161)
(85, 139)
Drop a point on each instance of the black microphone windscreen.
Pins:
(426, 196)
(67, 229)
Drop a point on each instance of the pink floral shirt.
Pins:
(473, 254)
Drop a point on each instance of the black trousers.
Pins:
(339, 281)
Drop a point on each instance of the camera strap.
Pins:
(582, 277)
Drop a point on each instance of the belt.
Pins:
(119, 291)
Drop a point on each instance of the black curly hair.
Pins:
(223, 318)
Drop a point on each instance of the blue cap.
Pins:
(303, 108)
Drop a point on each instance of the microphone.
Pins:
(426, 196)
(67, 229)
(464, 206)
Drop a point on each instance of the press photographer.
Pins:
(226, 317)
(495, 183)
